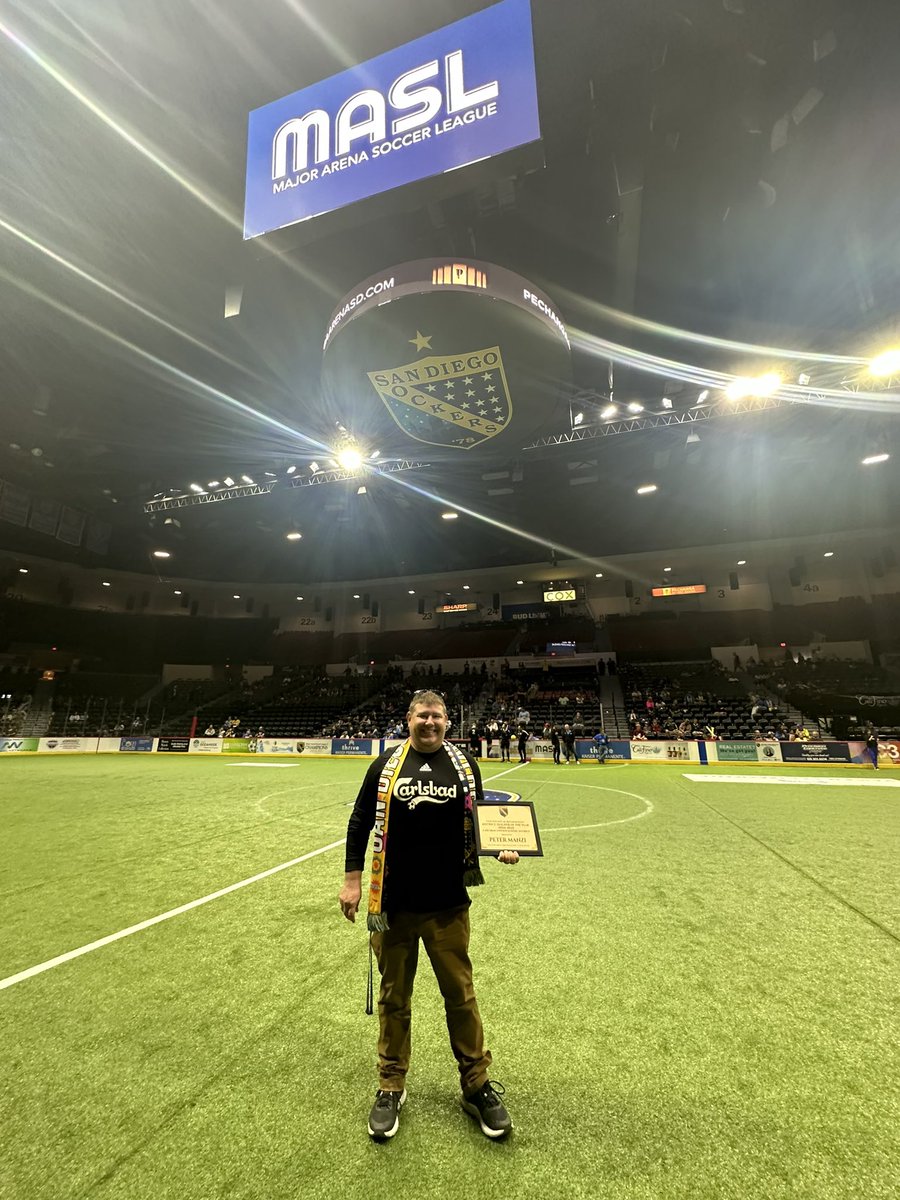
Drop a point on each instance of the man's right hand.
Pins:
(349, 898)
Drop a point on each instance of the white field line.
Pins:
(20, 976)
(793, 780)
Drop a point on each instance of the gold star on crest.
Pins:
(420, 341)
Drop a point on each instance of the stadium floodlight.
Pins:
(228, 481)
(247, 480)
(362, 490)
(105, 583)
(291, 470)
(828, 554)
(646, 488)
(742, 562)
(886, 363)
(635, 407)
(743, 386)
(449, 516)
(195, 487)
(375, 454)
(213, 483)
(412, 591)
(294, 536)
(666, 402)
(702, 398)
(349, 458)
(577, 419)
(161, 554)
(609, 412)
(598, 575)
(872, 459)
(314, 466)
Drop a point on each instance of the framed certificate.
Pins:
(507, 827)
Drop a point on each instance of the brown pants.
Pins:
(445, 936)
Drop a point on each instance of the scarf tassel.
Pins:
(473, 877)
(377, 922)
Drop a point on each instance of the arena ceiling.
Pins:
(724, 168)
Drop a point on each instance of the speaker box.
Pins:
(733, 581)
(374, 608)
(195, 607)
(629, 589)
(877, 568)
(145, 599)
(794, 576)
(317, 604)
(889, 558)
(366, 604)
(495, 600)
(328, 616)
(421, 605)
(248, 607)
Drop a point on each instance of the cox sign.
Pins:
(453, 97)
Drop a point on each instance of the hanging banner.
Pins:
(453, 97)
(815, 752)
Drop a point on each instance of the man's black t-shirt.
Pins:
(425, 840)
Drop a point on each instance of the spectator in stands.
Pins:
(578, 724)
(210, 731)
(563, 702)
(523, 716)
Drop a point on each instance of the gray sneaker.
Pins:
(384, 1119)
(487, 1108)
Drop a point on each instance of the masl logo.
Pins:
(363, 116)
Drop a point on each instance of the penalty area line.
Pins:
(173, 912)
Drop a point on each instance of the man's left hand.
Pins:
(511, 857)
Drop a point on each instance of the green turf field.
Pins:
(693, 994)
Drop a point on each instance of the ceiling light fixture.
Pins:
(293, 536)
(235, 596)
(828, 554)
(161, 554)
(667, 568)
(666, 402)
(886, 363)
(466, 587)
(105, 583)
(23, 570)
(598, 575)
(635, 407)
(646, 488)
(449, 516)
(520, 581)
(299, 597)
(247, 479)
(609, 412)
(578, 419)
(195, 487)
(228, 481)
(176, 592)
(349, 458)
(742, 562)
(872, 459)
(412, 591)
(291, 470)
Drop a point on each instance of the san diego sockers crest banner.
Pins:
(457, 356)
(454, 97)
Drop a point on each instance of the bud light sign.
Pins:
(453, 97)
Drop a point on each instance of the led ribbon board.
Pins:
(688, 589)
(461, 94)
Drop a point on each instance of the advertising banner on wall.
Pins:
(359, 747)
(453, 97)
(665, 751)
(587, 748)
(888, 752)
(68, 745)
(205, 745)
(173, 745)
(136, 745)
(305, 746)
(238, 745)
(18, 745)
(815, 752)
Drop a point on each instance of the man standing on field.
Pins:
(419, 798)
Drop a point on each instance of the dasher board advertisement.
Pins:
(453, 97)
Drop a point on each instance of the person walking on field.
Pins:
(522, 735)
(419, 798)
